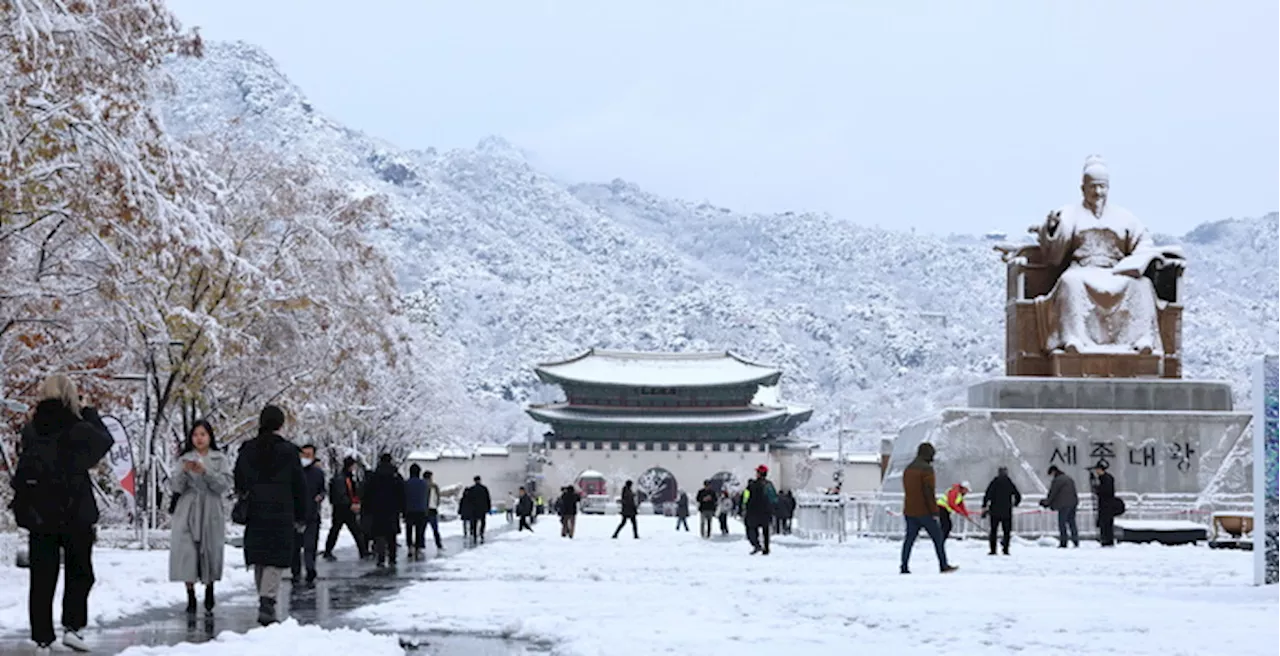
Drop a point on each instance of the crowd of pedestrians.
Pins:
(279, 489)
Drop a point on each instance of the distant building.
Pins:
(667, 421)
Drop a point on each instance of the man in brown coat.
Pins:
(920, 507)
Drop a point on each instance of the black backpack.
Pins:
(42, 494)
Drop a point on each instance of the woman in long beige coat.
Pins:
(199, 528)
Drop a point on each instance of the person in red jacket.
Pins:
(952, 502)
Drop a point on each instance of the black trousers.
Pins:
(45, 550)
(305, 553)
(384, 548)
(635, 530)
(1003, 523)
(754, 529)
(475, 528)
(1106, 528)
(944, 519)
(724, 523)
(524, 524)
(344, 517)
(415, 530)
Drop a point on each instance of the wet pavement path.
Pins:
(343, 585)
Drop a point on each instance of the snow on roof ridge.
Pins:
(657, 369)
(657, 355)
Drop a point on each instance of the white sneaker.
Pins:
(43, 651)
(73, 641)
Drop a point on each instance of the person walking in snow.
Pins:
(53, 500)
(524, 510)
(569, 499)
(758, 502)
(952, 502)
(998, 503)
(384, 503)
(416, 497)
(344, 496)
(920, 508)
(1063, 498)
(198, 525)
(706, 508)
(478, 503)
(682, 511)
(433, 508)
(270, 481)
(723, 507)
(1104, 491)
(305, 556)
(629, 511)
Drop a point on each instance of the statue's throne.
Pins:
(1030, 276)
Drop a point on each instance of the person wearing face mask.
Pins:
(308, 540)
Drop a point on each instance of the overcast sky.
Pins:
(941, 116)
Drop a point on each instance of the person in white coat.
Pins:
(199, 525)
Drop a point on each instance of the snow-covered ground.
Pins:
(285, 639)
(674, 593)
(128, 582)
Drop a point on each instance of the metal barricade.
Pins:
(819, 517)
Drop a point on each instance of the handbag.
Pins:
(240, 511)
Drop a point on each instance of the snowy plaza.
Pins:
(674, 593)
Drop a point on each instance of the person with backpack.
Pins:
(53, 500)
(758, 502)
(272, 489)
(198, 526)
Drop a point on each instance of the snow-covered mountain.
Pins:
(521, 268)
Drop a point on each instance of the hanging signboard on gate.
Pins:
(1266, 470)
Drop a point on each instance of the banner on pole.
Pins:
(1266, 471)
(121, 457)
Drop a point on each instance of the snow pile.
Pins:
(672, 592)
(128, 582)
(285, 639)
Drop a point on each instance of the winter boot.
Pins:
(266, 611)
(191, 601)
(949, 569)
(208, 598)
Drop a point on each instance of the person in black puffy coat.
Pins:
(384, 504)
(269, 474)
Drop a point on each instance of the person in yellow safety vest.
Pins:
(949, 502)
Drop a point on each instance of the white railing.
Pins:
(818, 516)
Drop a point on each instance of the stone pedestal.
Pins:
(1157, 436)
